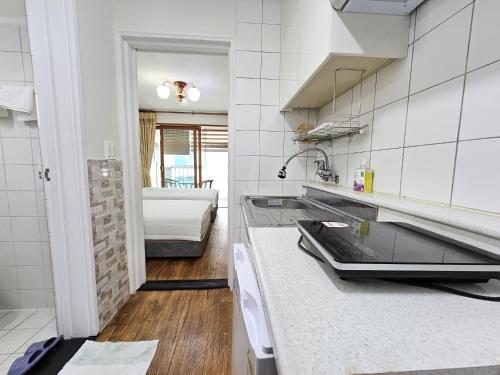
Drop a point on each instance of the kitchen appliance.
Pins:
(393, 250)
(396, 7)
(252, 351)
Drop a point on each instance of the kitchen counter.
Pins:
(320, 324)
(483, 223)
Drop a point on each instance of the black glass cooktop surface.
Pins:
(390, 243)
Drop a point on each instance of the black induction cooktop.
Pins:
(365, 249)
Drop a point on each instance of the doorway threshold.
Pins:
(156, 285)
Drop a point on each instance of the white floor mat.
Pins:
(110, 358)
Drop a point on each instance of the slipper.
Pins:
(25, 363)
(44, 345)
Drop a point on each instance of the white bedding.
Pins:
(175, 220)
(211, 195)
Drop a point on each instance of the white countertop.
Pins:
(322, 325)
(487, 224)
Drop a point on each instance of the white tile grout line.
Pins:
(462, 104)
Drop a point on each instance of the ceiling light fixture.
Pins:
(193, 92)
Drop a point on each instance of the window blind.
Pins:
(176, 142)
(214, 138)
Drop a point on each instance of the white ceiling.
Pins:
(208, 72)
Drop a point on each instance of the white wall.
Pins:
(191, 119)
(25, 266)
(196, 17)
(98, 72)
(434, 125)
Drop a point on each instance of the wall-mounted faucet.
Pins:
(322, 166)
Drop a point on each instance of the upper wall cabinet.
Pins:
(317, 40)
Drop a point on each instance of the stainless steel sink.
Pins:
(279, 203)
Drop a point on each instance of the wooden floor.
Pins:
(211, 265)
(194, 329)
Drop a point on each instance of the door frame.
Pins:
(127, 43)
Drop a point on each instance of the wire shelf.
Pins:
(331, 130)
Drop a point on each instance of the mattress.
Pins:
(176, 219)
(211, 195)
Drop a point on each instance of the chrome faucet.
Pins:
(322, 166)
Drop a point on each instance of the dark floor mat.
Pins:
(155, 285)
(54, 361)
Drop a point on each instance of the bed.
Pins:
(176, 228)
(210, 195)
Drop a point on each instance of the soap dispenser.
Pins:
(363, 178)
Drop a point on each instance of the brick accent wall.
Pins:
(109, 241)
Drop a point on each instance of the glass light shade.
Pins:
(194, 94)
(163, 91)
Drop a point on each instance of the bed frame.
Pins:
(177, 248)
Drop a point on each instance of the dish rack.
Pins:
(331, 130)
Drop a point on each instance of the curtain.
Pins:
(147, 124)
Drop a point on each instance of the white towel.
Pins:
(111, 358)
(17, 98)
(32, 116)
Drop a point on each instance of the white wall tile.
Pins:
(7, 257)
(246, 143)
(17, 151)
(269, 167)
(292, 188)
(248, 36)
(362, 142)
(270, 91)
(339, 164)
(44, 228)
(272, 11)
(290, 147)
(434, 114)
(343, 105)
(30, 277)
(249, 11)
(247, 117)
(365, 102)
(270, 65)
(245, 188)
(389, 126)
(9, 299)
(4, 204)
(32, 298)
(23, 203)
(386, 167)
(393, 81)
(354, 162)
(432, 62)
(480, 114)
(248, 64)
(311, 169)
(287, 90)
(296, 169)
(8, 278)
(411, 35)
(271, 118)
(19, 177)
(2, 178)
(246, 168)
(271, 38)
(5, 229)
(477, 175)
(28, 253)
(271, 143)
(432, 13)
(35, 150)
(271, 188)
(10, 127)
(247, 91)
(12, 66)
(25, 42)
(27, 67)
(25, 229)
(290, 66)
(292, 120)
(341, 146)
(428, 172)
(10, 39)
(485, 30)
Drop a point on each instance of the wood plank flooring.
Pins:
(211, 265)
(193, 328)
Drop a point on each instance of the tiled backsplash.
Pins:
(262, 133)
(434, 130)
(108, 231)
(25, 265)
